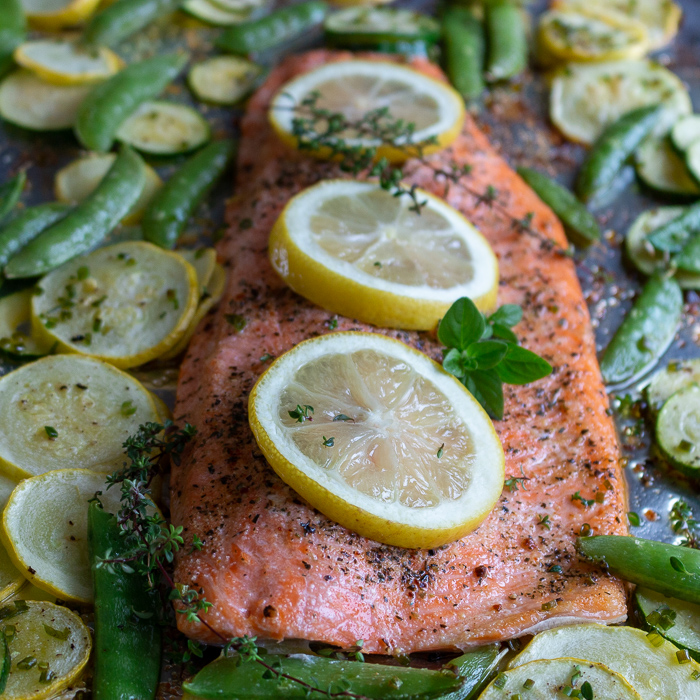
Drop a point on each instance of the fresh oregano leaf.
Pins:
(508, 315)
(504, 333)
(487, 353)
(462, 325)
(521, 366)
(486, 387)
(452, 363)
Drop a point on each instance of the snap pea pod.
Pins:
(688, 259)
(506, 39)
(120, 20)
(10, 192)
(646, 332)
(666, 568)
(465, 51)
(674, 235)
(613, 149)
(177, 200)
(27, 225)
(227, 678)
(127, 634)
(278, 27)
(13, 29)
(108, 104)
(88, 223)
(579, 223)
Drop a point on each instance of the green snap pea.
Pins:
(13, 29)
(88, 223)
(177, 200)
(666, 568)
(120, 20)
(465, 51)
(613, 149)
(578, 222)
(645, 333)
(108, 104)
(227, 678)
(10, 192)
(127, 634)
(278, 27)
(674, 235)
(506, 40)
(27, 225)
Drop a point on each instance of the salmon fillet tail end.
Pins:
(275, 568)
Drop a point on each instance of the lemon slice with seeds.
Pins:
(357, 250)
(63, 62)
(355, 88)
(379, 438)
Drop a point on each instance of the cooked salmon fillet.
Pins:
(276, 568)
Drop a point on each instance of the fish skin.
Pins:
(276, 568)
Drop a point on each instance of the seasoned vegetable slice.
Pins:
(677, 375)
(677, 429)
(625, 650)
(164, 128)
(16, 339)
(223, 79)
(50, 647)
(587, 97)
(203, 260)
(131, 303)
(660, 167)
(213, 14)
(68, 411)
(546, 679)
(685, 132)
(78, 180)
(11, 580)
(64, 62)
(30, 102)
(44, 527)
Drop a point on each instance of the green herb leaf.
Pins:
(678, 565)
(507, 315)
(520, 366)
(452, 363)
(57, 634)
(51, 432)
(586, 691)
(487, 353)
(486, 387)
(462, 325)
(504, 333)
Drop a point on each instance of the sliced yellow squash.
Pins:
(16, 338)
(52, 15)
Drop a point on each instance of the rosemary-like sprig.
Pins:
(151, 542)
(320, 130)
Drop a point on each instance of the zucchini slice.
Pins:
(678, 429)
(676, 620)
(644, 256)
(625, 650)
(30, 102)
(679, 374)
(64, 62)
(550, 678)
(126, 303)
(224, 80)
(213, 14)
(692, 161)
(661, 168)
(164, 128)
(587, 97)
(16, 339)
(380, 28)
(79, 179)
(661, 17)
(583, 34)
(685, 132)
(68, 411)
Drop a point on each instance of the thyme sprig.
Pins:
(151, 544)
(684, 524)
(317, 129)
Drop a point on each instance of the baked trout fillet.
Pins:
(276, 568)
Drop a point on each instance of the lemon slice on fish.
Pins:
(357, 88)
(359, 251)
(379, 438)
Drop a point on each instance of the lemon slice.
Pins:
(577, 33)
(379, 438)
(44, 528)
(49, 645)
(131, 302)
(66, 62)
(51, 15)
(357, 250)
(74, 182)
(354, 88)
(68, 411)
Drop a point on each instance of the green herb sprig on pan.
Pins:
(483, 352)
